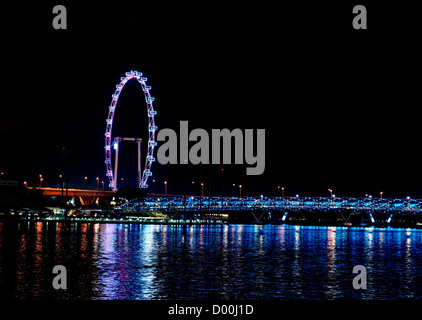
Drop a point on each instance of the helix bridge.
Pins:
(312, 210)
(196, 203)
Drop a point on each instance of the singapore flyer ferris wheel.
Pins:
(112, 175)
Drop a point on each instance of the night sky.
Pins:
(340, 107)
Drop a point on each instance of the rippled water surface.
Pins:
(119, 261)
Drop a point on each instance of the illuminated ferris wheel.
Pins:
(109, 143)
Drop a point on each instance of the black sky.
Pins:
(340, 106)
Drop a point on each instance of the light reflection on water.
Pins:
(120, 261)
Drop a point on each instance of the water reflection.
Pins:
(118, 261)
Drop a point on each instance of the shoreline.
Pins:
(211, 222)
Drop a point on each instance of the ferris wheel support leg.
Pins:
(139, 164)
(115, 166)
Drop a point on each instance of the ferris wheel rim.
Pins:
(151, 128)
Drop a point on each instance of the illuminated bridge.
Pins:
(85, 197)
(317, 210)
(276, 203)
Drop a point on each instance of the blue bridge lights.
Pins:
(388, 206)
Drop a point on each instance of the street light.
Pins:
(98, 183)
(41, 179)
(240, 191)
(282, 191)
(381, 194)
(165, 188)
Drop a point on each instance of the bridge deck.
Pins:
(276, 203)
(77, 192)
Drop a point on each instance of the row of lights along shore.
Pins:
(100, 183)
